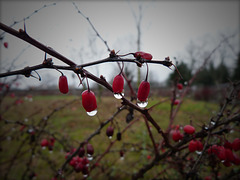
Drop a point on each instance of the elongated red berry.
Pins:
(143, 55)
(189, 129)
(143, 91)
(118, 84)
(63, 84)
(109, 131)
(199, 146)
(89, 100)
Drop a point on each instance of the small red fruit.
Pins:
(89, 101)
(176, 102)
(5, 44)
(81, 152)
(143, 55)
(118, 84)
(189, 129)
(179, 86)
(199, 146)
(44, 143)
(236, 144)
(176, 135)
(109, 131)
(90, 149)
(143, 91)
(192, 146)
(63, 84)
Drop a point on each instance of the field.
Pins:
(70, 125)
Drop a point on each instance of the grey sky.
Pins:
(167, 29)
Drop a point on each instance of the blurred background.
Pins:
(186, 31)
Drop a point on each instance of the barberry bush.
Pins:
(130, 135)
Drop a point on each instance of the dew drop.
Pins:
(85, 175)
(213, 123)
(44, 147)
(223, 161)
(206, 127)
(199, 152)
(89, 157)
(142, 104)
(118, 95)
(122, 158)
(26, 119)
(92, 113)
(110, 137)
(50, 152)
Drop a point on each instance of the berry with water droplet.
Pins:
(44, 143)
(89, 100)
(143, 55)
(109, 131)
(90, 149)
(189, 129)
(63, 84)
(176, 135)
(118, 84)
(143, 91)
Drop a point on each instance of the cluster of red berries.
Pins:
(177, 135)
(48, 143)
(80, 163)
(225, 153)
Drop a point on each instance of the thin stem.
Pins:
(147, 73)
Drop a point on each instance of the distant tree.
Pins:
(236, 72)
(186, 73)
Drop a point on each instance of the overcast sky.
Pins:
(167, 27)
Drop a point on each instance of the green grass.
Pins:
(73, 125)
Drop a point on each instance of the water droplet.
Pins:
(50, 152)
(44, 147)
(231, 131)
(89, 157)
(85, 175)
(206, 127)
(26, 119)
(213, 123)
(122, 158)
(185, 83)
(118, 95)
(142, 104)
(199, 152)
(92, 113)
(223, 161)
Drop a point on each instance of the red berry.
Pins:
(199, 146)
(90, 149)
(189, 129)
(179, 86)
(63, 84)
(192, 146)
(143, 55)
(109, 131)
(89, 100)
(78, 167)
(176, 135)
(228, 145)
(143, 91)
(118, 83)
(85, 170)
(236, 160)
(5, 44)
(44, 143)
(81, 152)
(229, 155)
(221, 153)
(176, 102)
(236, 144)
